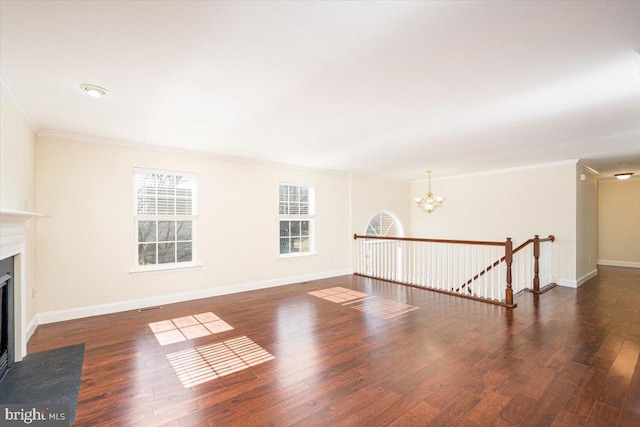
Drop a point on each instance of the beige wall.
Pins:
(516, 203)
(370, 196)
(17, 160)
(17, 183)
(586, 223)
(85, 246)
(619, 222)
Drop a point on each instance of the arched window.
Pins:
(384, 225)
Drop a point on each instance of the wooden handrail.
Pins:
(522, 246)
(508, 258)
(415, 239)
(551, 238)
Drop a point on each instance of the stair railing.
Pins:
(488, 271)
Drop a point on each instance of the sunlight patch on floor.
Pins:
(384, 308)
(188, 328)
(338, 294)
(365, 303)
(205, 363)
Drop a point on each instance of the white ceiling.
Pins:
(380, 88)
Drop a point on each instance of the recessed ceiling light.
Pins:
(94, 91)
(625, 175)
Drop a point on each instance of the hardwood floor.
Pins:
(566, 358)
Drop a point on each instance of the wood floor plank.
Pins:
(603, 415)
(617, 382)
(550, 404)
(566, 419)
(488, 408)
(630, 414)
(568, 357)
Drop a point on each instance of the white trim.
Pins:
(137, 169)
(296, 255)
(567, 283)
(18, 217)
(13, 232)
(31, 328)
(12, 244)
(586, 277)
(8, 90)
(588, 168)
(167, 267)
(392, 214)
(68, 136)
(570, 283)
(499, 171)
(96, 310)
(612, 263)
(308, 217)
(193, 218)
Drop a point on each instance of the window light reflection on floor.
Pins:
(338, 294)
(205, 363)
(384, 308)
(365, 303)
(188, 328)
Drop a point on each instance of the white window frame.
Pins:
(394, 218)
(299, 217)
(137, 268)
(369, 243)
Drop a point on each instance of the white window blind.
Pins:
(163, 194)
(165, 219)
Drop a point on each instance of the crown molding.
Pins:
(589, 168)
(8, 90)
(499, 171)
(68, 136)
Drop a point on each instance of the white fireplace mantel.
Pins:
(17, 217)
(13, 232)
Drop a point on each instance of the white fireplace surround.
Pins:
(13, 232)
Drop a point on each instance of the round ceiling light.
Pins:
(94, 91)
(623, 176)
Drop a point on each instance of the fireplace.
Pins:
(14, 229)
(6, 315)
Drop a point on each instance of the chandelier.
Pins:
(429, 202)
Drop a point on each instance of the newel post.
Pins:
(508, 257)
(536, 264)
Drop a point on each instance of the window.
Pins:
(296, 209)
(384, 225)
(165, 219)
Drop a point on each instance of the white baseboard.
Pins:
(587, 276)
(31, 328)
(96, 310)
(619, 263)
(570, 283)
